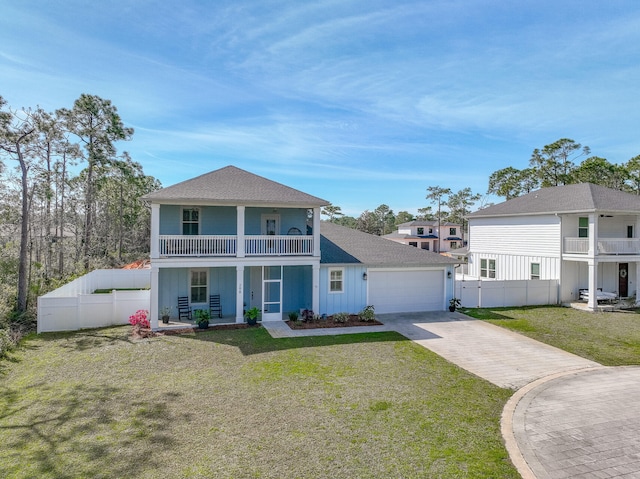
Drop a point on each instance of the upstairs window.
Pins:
(190, 221)
(535, 270)
(336, 281)
(487, 268)
(583, 227)
(420, 231)
(452, 231)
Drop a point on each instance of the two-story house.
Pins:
(257, 243)
(584, 236)
(428, 235)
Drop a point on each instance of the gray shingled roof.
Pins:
(341, 245)
(233, 186)
(578, 198)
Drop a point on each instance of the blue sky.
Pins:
(360, 103)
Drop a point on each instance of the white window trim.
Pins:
(341, 280)
(182, 218)
(531, 275)
(191, 271)
(488, 269)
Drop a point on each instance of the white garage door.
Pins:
(395, 291)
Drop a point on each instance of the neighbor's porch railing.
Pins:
(204, 245)
(606, 246)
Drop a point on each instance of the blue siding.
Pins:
(289, 218)
(175, 282)
(170, 220)
(214, 220)
(354, 297)
(219, 220)
(297, 287)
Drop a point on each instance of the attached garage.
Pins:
(406, 290)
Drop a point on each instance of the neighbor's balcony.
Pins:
(226, 245)
(606, 246)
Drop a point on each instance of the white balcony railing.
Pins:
(226, 245)
(606, 246)
(179, 245)
(278, 245)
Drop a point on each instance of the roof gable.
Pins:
(342, 245)
(576, 198)
(231, 186)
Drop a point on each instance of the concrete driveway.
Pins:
(569, 418)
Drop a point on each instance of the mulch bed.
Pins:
(354, 320)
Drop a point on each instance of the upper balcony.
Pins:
(605, 246)
(226, 245)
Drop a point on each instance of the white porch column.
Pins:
(593, 235)
(315, 293)
(153, 299)
(155, 230)
(316, 233)
(239, 293)
(593, 284)
(240, 252)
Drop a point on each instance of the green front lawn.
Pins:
(609, 338)
(239, 404)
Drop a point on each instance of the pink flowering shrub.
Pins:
(139, 320)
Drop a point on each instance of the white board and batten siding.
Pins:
(514, 243)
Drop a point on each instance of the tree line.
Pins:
(69, 202)
(556, 164)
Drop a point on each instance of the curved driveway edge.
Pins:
(578, 424)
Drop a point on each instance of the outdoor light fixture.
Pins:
(448, 274)
(364, 276)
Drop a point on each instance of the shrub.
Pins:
(293, 316)
(140, 322)
(6, 344)
(307, 315)
(367, 314)
(341, 317)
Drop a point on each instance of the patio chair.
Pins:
(184, 308)
(214, 305)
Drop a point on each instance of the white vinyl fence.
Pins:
(75, 306)
(475, 293)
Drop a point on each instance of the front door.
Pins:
(623, 279)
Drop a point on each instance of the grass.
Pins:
(609, 338)
(239, 404)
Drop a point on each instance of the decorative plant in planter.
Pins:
(202, 318)
(252, 316)
(453, 304)
(165, 313)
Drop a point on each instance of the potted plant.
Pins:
(252, 316)
(165, 313)
(202, 318)
(453, 304)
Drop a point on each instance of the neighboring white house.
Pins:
(584, 236)
(428, 235)
(255, 242)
